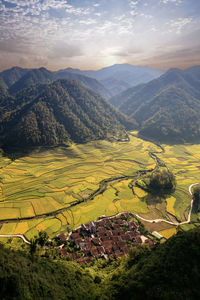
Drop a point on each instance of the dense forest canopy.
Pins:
(58, 113)
(167, 109)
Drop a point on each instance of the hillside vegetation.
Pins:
(107, 82)
(16, 79)
(169, 271)
(167, 109)
(58, 113)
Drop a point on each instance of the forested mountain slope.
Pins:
(89, 82)
(58, 113)
(170, 271)
(166, 109)
(16, 79)
(32, 77)
(12, 75)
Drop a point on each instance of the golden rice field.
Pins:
(51, 187)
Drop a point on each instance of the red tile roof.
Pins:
(64, 252)
(62, 237)
(94, 251)
(95, 241)
(75, 235)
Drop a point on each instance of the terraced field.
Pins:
(58, 189)
(184, 161)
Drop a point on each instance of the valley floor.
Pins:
(59, 189)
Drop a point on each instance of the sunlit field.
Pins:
(52, 189)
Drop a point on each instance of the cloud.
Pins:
(77, 33)
(127, 51)
(181, 58)
(133, 4)
(177, 2)
(15, 45)
(179, 24)
(64, 50)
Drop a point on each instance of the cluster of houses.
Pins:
(106, 237)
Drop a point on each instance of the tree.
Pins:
(196, 198)
(42, 238)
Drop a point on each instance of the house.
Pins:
(132, 226)
(92, 228)
(62, 237)
(101, 229)
(116, 238)
(108, 250)
(77, 242)
(138, 239)
(101, 250)
(87, 239)
(115, 247)
(64, 252)
(120, 221)
(94, 252)
(85, 227)
(74, 236)
(88, 245)
(120, 244)
(116, 226)
(109, 233)
(95, 241)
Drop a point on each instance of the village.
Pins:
(107, 237)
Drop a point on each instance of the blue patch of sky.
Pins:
(8, 4)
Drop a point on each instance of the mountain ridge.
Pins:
(166, 108)
(58, 113)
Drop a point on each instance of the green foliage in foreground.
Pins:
(196, 197)
(24, 278)
(169, 271)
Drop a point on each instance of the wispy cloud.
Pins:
(79, 33)
(179, 24)
(177, 2)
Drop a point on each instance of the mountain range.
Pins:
(120, 77)
(106, 82)
(166, 109)
(58, 113)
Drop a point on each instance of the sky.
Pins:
(91, 34)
